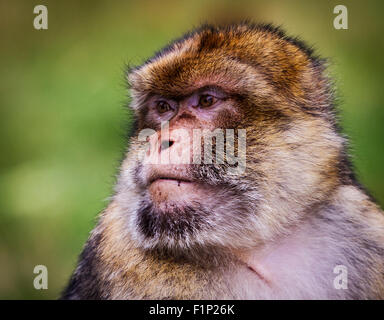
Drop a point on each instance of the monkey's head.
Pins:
(275, 153)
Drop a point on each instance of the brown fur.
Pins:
(291, 217)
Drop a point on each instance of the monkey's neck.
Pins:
(305, 255)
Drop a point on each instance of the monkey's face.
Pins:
(185, 191)
(171, 167)
(272, 156)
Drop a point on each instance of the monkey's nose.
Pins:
(165, 144)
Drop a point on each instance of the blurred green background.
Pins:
(63, 120)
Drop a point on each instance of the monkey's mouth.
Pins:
(174, 175)
(173, 187)
(175, 180)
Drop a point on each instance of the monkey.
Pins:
(279, 229)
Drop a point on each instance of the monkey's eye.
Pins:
(162, 106)
(206, 100)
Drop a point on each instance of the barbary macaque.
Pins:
(237, 183)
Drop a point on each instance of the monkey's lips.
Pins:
(179, 181)
(164, 189)
(168, 176)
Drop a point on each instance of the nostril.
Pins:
(166, 144)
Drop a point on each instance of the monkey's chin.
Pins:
(164, 191)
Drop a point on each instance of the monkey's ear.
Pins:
(129, 69)
(132, 77)
(132, 81)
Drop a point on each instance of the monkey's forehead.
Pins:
(236, 57)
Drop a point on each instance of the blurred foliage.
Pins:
(63, 120)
